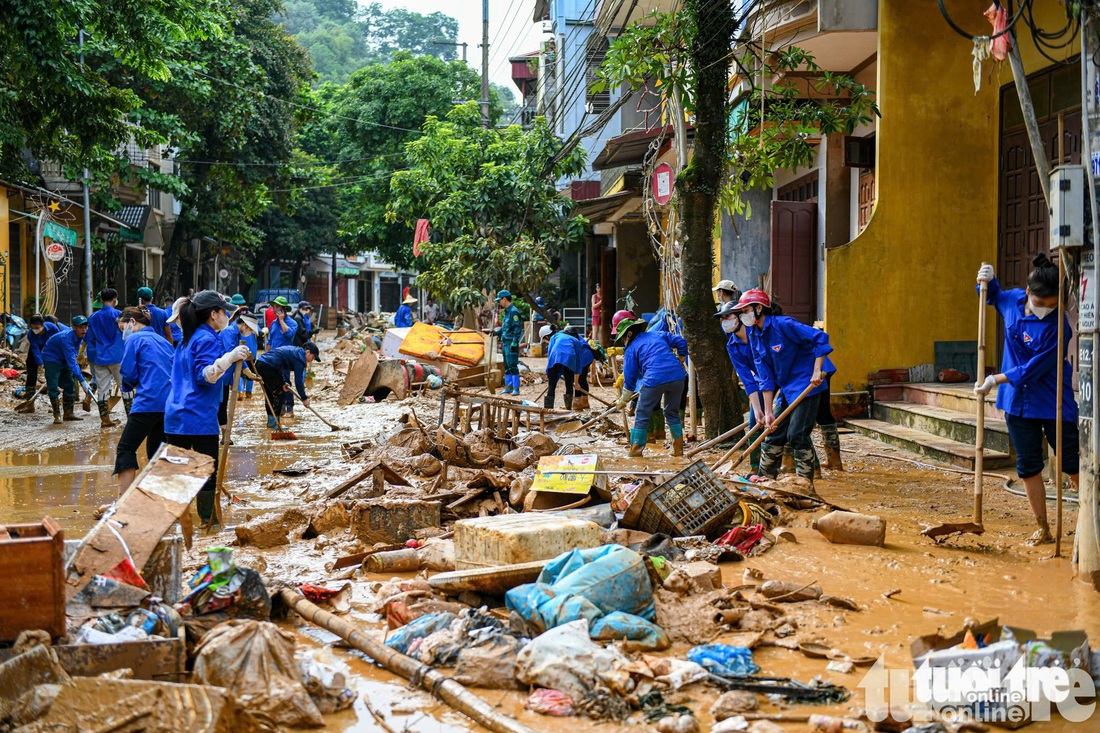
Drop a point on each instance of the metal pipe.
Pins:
(86, 293)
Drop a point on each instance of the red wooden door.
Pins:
(793, 267)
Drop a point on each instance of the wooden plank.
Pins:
(358, 379)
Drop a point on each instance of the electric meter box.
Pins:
(1068, 193)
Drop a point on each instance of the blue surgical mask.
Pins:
(127, 332)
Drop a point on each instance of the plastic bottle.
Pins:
(395, 561)
(849, 528)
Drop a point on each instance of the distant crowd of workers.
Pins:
(173, 368)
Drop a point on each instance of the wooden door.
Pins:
(793, 266)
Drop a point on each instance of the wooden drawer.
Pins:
(32, 565)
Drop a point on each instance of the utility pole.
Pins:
(1086, 551)
(86, 289)
(484, 63)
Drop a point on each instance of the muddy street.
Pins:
(912, 586)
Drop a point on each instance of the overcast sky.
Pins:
(511, 32)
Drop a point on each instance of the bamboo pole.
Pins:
(1059, 382)
(442, 687)
(782, 416)
(223, 457)
(726, 456)
(979, 418)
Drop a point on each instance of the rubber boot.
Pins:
(515, 384)
(788, 460)
(105, 420)
(548, 401)
(271, 422)
(804, 465)
(127, 404)
(69, 416)
(55, 404)
(677, 440)
(638, 440)
(204, 503)
(770, 458)
(817, 464)
(569, 402)
(832, 448)
(754, 460)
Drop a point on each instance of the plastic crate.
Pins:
(692, 502)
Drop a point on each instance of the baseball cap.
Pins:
(312, 348)
(79, 321)
(145, 293)
(725, 285)
(502, 294)
(212, 299)
(305, 305)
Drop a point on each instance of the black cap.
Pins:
(312, 348)
(212, 299)
(304, 304)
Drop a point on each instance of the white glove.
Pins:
(985, 387)
(985, 273)
(240, 353)
(225, 362)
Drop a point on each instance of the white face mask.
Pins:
(38, 329)
(748, 318)
(729, 325)
(127, 332)
(1039, 311)
(217, 323)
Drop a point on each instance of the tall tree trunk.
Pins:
(169, 282)
(697, 189)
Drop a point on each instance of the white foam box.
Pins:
(508, 539)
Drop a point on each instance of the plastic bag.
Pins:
(421, 628)
(254, 660)
(565, 658)
(550, 702)
(326, 680)
(588, 584)
(490, 665)
(640, 634)
(724, 660)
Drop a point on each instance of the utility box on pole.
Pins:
(1068, 198)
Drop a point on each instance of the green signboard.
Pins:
(347, 271)
(58, 233)
(126, 234)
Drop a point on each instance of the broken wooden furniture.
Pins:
(478, 412)
(32, 558)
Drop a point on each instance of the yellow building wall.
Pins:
(5, 249)
(908, 279)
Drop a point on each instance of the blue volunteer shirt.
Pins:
(584, 353)
(563, 350)
(403, 318)
(192, 405)
(741, 357)
(230, 338)
(275, 335)
(783, 354)
(1030, 360)
(61, 349)
(104, 337)
(650, 359)
(177, 333)
(159, 318)
(37, 341)
(147, 369)
(289, 359)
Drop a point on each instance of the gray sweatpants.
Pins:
(103, 376)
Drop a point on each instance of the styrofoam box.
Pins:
(507, 539)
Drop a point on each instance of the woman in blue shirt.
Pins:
(40, 332)
(147, 372)
(243, 325)
(191, 410)
(788, 357)
(1027, 383)
(651, 367)
(744, 365)
(562, 364)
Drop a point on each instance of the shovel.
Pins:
(782, 416)
(975, 527)
(28, 405)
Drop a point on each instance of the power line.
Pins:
(318, 163)
(503, 18)
(257, 92)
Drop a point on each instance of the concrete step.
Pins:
(956, 397)
(951, 424)
(932, 446)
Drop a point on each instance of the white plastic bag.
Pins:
(325, 677)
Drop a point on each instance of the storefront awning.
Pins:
(631, 148)
(596, 210)
(323, 265)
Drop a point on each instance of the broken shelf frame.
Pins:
(476, 412)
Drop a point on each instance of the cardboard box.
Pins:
(582, 477)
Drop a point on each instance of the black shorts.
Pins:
(140, 426)
(1027, 438)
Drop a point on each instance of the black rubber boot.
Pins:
(204, 503)
(55, 403)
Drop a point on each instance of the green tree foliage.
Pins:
(372, 118)
(497, 219)
(342, 39)
(62, 112)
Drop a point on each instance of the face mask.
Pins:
(749, 319)
(127, 332)
(1039, 311)
(729, 325)
(38, 329)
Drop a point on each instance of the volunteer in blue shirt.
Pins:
(788, 357)
(281, 333)
(273, 368)
(39, 332)
(403, 318)
(510, 333)
(191, 410)
(106, 340)
(242, 326)
(159, 316)
(587, 353)
(62, 371)
(244, 389)
(1027, 384)
(562, 363)
(651, 367)
(147, 372)
(173, 324)
(744, 366)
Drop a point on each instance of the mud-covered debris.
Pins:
(540, 443)
(391, 520)
(426, 465)
(519, 458)
(328, 519)
(412, 438)
(734, 702)
(694, 577)
(782, 591)
(517, 492)
(272, 530)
